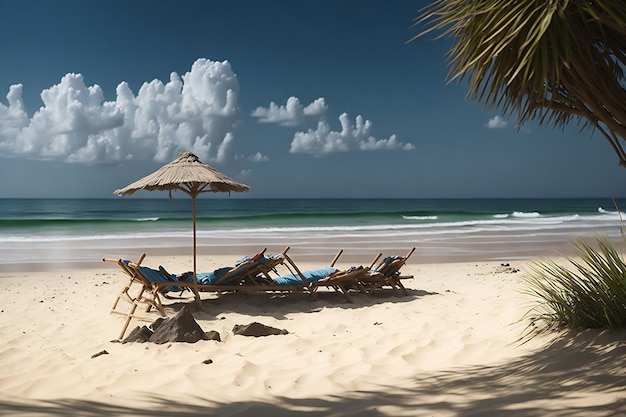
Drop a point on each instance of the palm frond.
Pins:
(553, 61)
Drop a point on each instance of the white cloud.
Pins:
(194, 112)
(317, 108)
(13, 117)
(292, 113)
(257, 157)
(496, 122)
(351, 138)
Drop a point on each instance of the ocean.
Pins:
(53, 231)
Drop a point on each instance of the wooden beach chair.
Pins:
(151, 283)
(330, 277)
(222, 279)
(276, 274)
(344, 281)
(386, 274)
(268, 273)
(265, 275)
(146, 295)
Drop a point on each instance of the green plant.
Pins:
(551, 61)
(589, 293)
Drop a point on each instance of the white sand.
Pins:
(450, 348)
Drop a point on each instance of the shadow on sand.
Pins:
(278, 305)
(579, 374)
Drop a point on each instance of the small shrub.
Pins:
(590, 293)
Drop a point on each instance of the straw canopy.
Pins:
(188, 174)
(191, 176)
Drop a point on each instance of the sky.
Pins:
(322, 99)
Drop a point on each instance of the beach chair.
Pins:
(272, 273)
(386, 273)
(344, 281)
(221, 279)
(146, 295)
(251, 274)
(152, 283)
(265, 276)
(330, 277)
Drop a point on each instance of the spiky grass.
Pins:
(588, 293)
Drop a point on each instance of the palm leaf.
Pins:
(552, 61)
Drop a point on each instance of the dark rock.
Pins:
(257, 329)
(208, 361)
(139, 334)
(213, 335)
(180, 328)
(157, 323)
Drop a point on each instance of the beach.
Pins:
(453, 347)
(330, 128)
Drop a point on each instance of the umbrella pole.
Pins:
(195, 278)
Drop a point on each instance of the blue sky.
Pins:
(295, 99)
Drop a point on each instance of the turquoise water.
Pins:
(58, 230)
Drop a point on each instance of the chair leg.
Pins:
(312, 289)
(391, 283)
(130, 314)
(127, 322)
(402, 287)
(158, 304)
(361, 287)
(122, 294)
(115, 303)
(344, 291)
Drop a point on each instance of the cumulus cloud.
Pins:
(257, 157)
(351, 138)
(496, 122)
(196, 112)
(292, 113)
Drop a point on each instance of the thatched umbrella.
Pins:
(189, 175)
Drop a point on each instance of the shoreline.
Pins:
(357, 251)
(80, 232)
